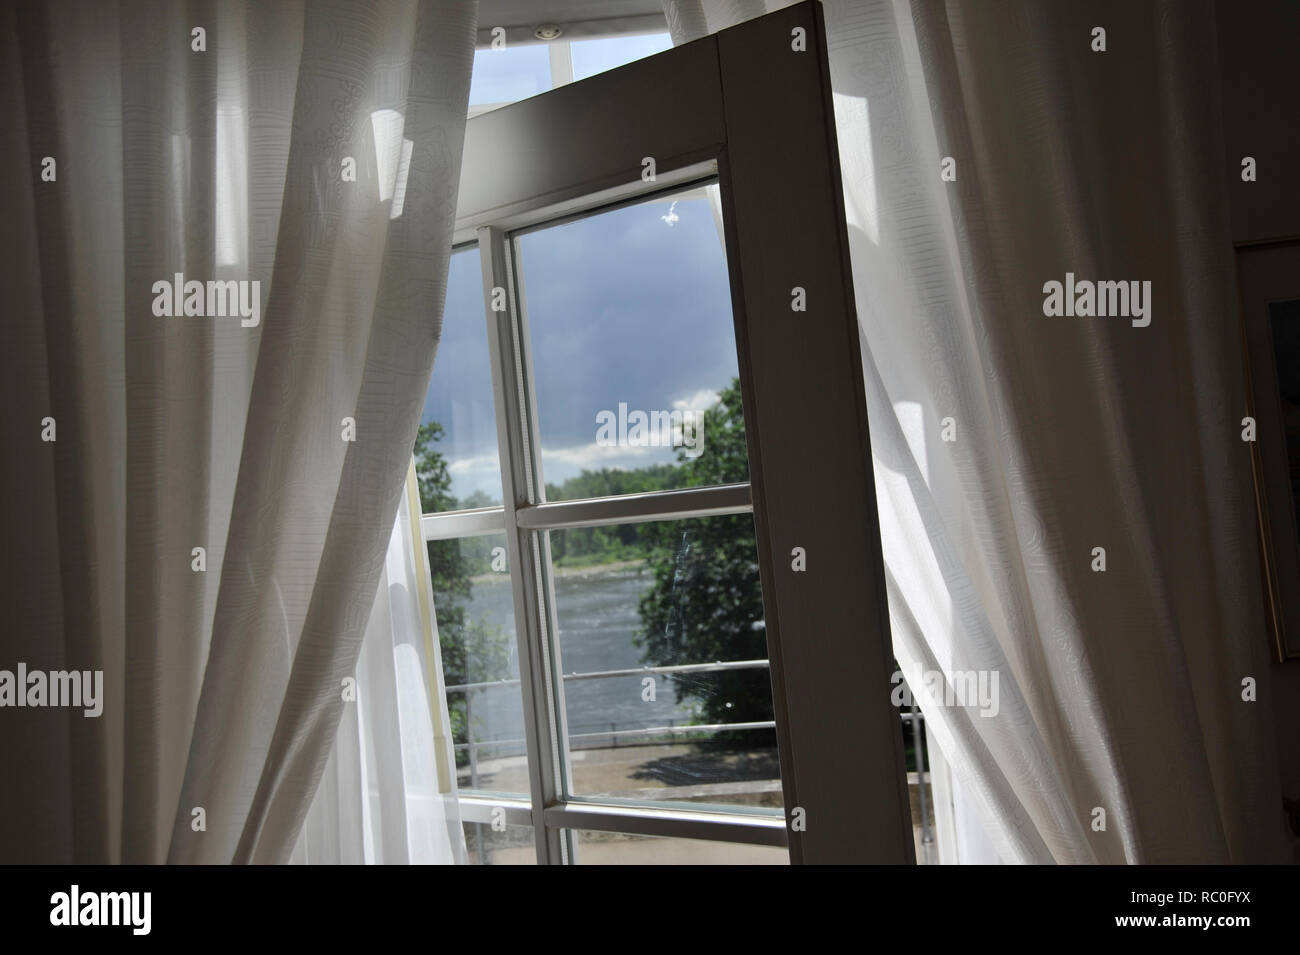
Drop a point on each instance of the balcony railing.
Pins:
(612, 735)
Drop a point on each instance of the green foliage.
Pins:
(706, 603)
(589, 546)
(607, 481)
(431, 471)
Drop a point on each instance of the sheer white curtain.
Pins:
(389, 790)
(313, 148)
(1119, 690)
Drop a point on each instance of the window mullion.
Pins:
(745, 828)
(515, 439)
(561, 63)
(449, 525)
(677, 504)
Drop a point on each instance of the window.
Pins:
(596, 56)
(518, 70)
(666, 687)
(632, 340)
(663, 602)
(507, 75)
(458, 426)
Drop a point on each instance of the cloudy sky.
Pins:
(631, 305)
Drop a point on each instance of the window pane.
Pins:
(513, 845)
(634, 352)
(616, 848)
(480, 663)
(596, 56)
(456, 450)
(666, 594)
(510, 74)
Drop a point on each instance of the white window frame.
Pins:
(727, 106)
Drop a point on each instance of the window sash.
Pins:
(579, 148)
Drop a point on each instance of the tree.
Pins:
(585, 546)
(706, 602)
(448, 568)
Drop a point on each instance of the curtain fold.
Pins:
(388, 795)
(312, 148)
(1009, 445)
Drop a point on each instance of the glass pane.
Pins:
(510, 74)
(634, 352)
(456, 449)
(513, 845)
(480, 663)
(616, 848)
(671, 594)
(596, 56)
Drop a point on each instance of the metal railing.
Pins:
(630, 671)
(914, 717)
